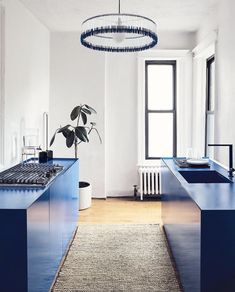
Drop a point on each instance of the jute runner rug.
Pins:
(118, 258)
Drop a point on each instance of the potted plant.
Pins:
(75, 135)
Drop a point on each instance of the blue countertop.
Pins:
(207, 196)
(24, 197)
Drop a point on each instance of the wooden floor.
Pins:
(121, 211)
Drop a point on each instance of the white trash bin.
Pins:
(84, 195)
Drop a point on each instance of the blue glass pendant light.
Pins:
(119, 32)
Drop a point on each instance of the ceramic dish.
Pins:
(197, 161)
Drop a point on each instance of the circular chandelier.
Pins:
(119, 32)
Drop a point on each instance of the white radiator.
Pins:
(149, 180)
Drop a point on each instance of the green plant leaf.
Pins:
(91, 109)
(70, 139)
(84, 131)
(63, 128)
(75, 112)
(66, 132)
(81, 133)
(84, 118)
(53, 138)
(86, 111)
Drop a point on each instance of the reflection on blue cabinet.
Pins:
(181, 219)
(36, 228)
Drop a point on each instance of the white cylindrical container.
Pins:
(84, 195)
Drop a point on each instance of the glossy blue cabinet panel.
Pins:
(35, 238)
(199, 221)
(13, 250)
(181, 222)
(38, 231)
(218, 251)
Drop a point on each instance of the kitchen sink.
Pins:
(204, 176)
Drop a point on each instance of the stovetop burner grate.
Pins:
(30, 174)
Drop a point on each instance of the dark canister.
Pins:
(42, 157)
(49, 154)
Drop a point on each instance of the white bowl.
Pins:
(198, 161)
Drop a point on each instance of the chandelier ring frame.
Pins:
(135, 29)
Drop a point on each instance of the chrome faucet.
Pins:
(231, 169)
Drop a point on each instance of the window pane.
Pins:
(210, 134)
(160, 135)
(160, 87)
(212, 86)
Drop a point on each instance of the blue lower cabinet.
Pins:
(13, 251)
(38, 239)
(181, 223)
(34, 240)
(200, 231)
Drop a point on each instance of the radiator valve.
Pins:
(135, 190)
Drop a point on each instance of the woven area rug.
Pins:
(118, 258)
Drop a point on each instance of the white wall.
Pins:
(121, 124)
(2, 85)
(26, 76)
(78, 77)
(209, 24)
(223, 22)
(225, 56)
(168, 40)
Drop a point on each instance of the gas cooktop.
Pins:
(29, 174)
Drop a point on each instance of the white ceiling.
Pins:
(173, 15)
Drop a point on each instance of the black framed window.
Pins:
(210, 105)
(160, 109)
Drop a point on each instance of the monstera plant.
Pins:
(80, 132)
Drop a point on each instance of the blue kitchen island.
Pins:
(199, 223)
(36, 227)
